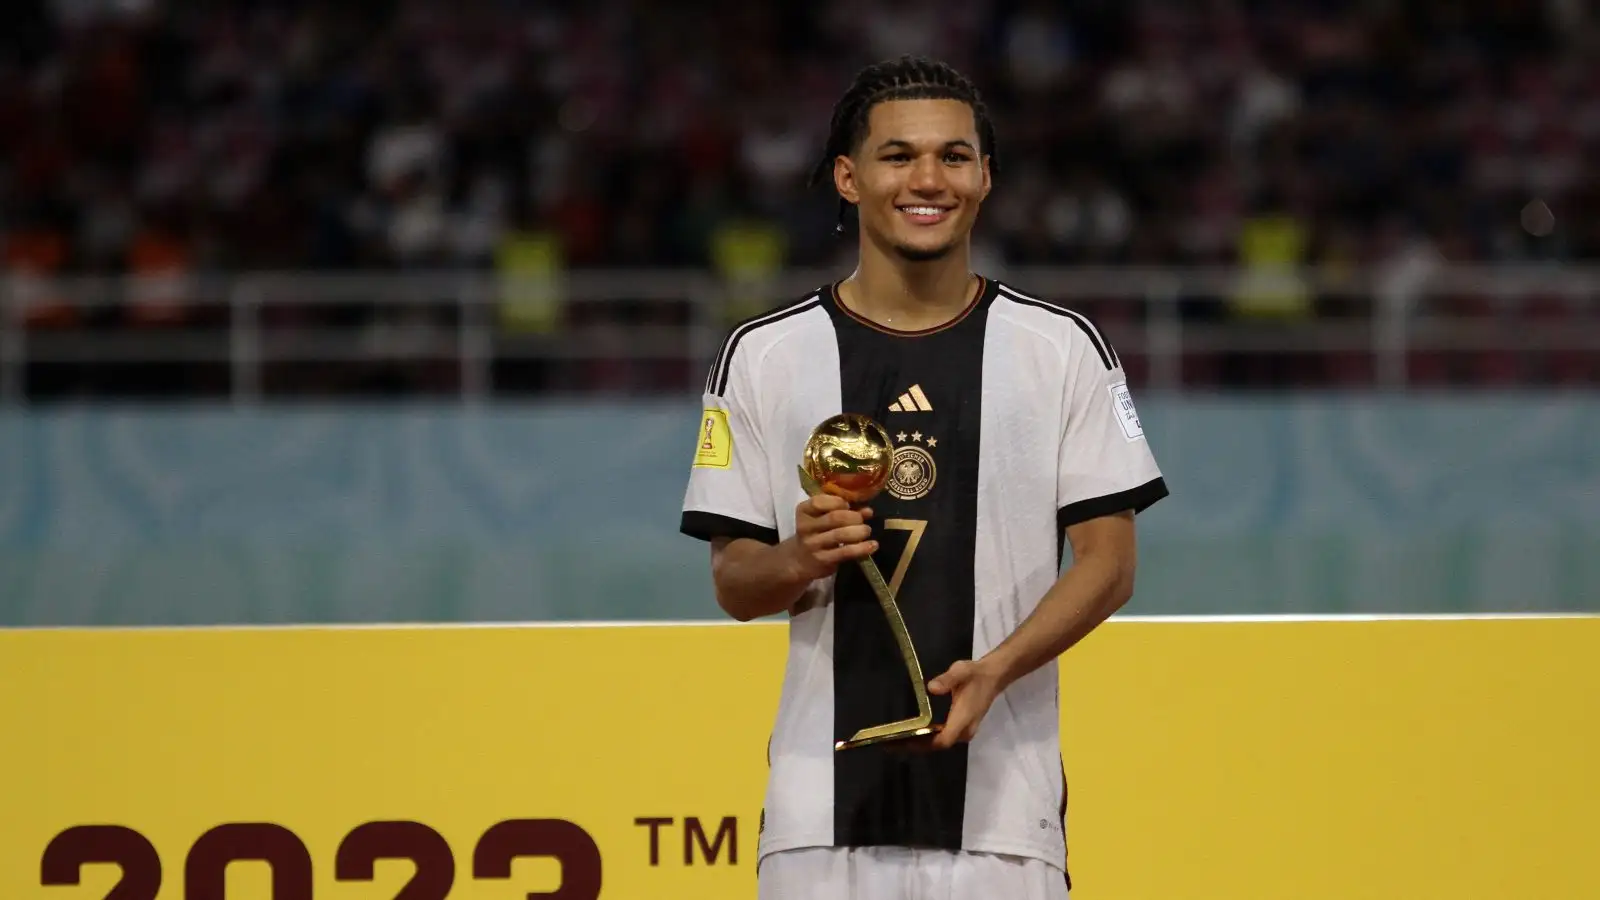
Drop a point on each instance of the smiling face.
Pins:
(917, 178)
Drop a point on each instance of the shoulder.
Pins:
(749, 340)
(1071, 331)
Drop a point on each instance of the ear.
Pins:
(987, 182)
(844, 180)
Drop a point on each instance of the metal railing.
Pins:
(250, 324)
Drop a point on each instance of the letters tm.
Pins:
(702, 844)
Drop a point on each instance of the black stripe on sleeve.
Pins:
(717, 380)
(705, 526)
(1137, 499)
(1102, 346)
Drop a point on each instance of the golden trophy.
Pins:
(850, 456)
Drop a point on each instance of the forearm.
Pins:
(753, 579)
(1088, 593)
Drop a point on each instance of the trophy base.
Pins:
(874, 736)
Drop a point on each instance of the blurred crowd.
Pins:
(146, 136)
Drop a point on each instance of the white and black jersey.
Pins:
(1010, 423)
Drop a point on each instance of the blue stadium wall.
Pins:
(551, 512)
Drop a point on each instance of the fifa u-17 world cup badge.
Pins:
(715, 444)
(1127, 416)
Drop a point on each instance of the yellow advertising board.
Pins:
(1217, 759)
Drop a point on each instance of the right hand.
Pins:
(828, 533)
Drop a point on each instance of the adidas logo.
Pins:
(913, 400)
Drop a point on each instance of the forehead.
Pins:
(921, 121)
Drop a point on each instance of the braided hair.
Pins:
(902, 78)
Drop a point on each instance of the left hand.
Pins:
(973, 687)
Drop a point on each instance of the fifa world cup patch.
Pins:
(715, 443)
(1127, 416)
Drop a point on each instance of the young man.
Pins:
(1014, 436)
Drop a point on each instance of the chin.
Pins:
(913, 253)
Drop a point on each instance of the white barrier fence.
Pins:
(246, 324)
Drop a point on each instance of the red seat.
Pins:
(1464, 305)
(1349, 369)
(1545, 307)
(1496, 367)
(1575, 367)
(1200, 370)
(1136, 366)
(1428, 368)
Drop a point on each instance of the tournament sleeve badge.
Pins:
(715, 444)
(1127, 416)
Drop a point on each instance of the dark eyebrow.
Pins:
(898, 143)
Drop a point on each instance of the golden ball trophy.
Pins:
(850, 456)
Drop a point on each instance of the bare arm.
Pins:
(754, 579)
(1097, 584)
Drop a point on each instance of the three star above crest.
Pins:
(916, 436)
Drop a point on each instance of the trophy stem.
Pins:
(902, 637)
(922, 723)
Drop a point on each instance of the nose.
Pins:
(927, 176)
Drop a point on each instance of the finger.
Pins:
(951, 735)
(847, 553)
(821, 504)
(853, 534)
(956, 676)
(961, 725)
(841, 518)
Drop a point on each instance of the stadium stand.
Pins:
(187, 144)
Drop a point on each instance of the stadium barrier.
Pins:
(1247, 759)
(1298, 504)
(1420, 322)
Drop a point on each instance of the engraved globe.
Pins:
(849, 456)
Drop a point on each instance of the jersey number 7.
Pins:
(915, 527)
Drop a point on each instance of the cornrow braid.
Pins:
(902, 78)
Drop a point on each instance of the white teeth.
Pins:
(923, 210)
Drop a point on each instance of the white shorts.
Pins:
(896, 873)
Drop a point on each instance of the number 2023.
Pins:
(205, 867)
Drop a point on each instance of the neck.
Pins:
(909, 296)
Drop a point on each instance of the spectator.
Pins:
(482, 135)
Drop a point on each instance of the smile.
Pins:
(924, 215)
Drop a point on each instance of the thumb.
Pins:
(957, 675)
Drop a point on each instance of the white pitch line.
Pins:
(716, 623)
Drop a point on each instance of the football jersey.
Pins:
(1010, 423)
